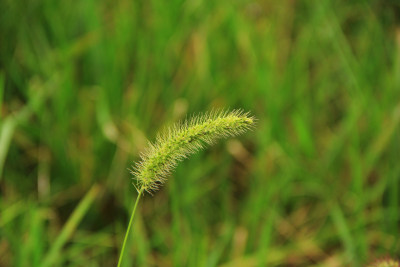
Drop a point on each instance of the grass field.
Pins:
(85, 84)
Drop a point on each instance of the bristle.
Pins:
(181, 140)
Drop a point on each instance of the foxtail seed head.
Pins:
(182, 140)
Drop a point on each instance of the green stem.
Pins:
(129, 228)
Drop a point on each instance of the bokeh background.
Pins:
(85, 84)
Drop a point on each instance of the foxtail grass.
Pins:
(177, 143)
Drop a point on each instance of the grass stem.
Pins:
(129, 228)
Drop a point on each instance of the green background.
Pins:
(85, 84)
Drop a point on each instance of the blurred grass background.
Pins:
(84, 84)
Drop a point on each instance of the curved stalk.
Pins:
(129, 228)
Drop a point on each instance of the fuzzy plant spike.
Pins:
(177, 143)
